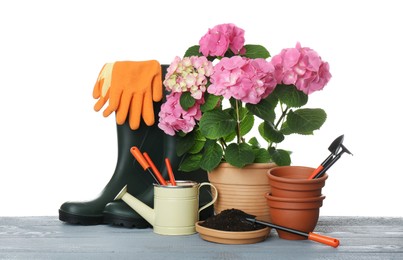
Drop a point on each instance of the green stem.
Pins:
(238, 121)
(223, 143)
(280, 120)
(283, 114)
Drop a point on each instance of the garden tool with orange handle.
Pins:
(170, 172)
(333, 148)
(332, 161)
(310, 235)
(154, 169)
(144, 163)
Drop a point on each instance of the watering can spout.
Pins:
(145, 211)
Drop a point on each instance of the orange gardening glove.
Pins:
(102, 85)
(134, 85)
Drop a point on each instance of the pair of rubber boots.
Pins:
(103, 209)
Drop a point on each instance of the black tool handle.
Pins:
(328, 165)
(297, 232)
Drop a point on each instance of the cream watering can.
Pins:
(176, 208)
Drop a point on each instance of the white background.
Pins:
(55, 147)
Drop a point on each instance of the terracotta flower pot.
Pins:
(293, 182)
(242, 188)
(296, 213)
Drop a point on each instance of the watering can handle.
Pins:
(215, 193)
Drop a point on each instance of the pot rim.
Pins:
(248, 166)
(292, 180)
(294, 200)
(180, 184)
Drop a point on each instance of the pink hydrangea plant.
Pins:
(247, 80)
(188, 74)
(173, 118)
(221, 37)
(302, 67)
(274, 91)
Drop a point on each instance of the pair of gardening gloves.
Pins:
(131, 87)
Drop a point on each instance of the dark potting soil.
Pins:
(231, 220)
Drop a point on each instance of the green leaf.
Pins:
(305, 121)
(247, 121)
(212, 156)
(193, 51)
(254, 142)
(199, 141)
(261, 155)
(239, 155)
(185, 143)
(210, 102)
(290, 95)
(285, 129)
(268, 132)
(265, 108)
(191, 163)
(280, 157)
(186, 100)
(215, 124)
(230, 137)
(256, 51)
(262, 133)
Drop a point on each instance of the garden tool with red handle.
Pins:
(332, 161)
(333, 148)
(311, 236)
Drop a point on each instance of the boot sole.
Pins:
(125, 221)
(80, 220)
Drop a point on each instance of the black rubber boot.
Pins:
(127, 171)
(120, 214)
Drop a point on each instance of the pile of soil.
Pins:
(231, 220)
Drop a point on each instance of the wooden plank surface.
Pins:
(49, 238)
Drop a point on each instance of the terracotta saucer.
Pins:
(232, 237)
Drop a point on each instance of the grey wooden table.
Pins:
(48, 238)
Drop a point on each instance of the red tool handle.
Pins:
(330, 241)
(316, 171)
(170, 172)
(139, 157)
(155, 170)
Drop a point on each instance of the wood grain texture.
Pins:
(48, 238)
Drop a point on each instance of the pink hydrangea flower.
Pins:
(248, 80)
(223, 36)
(173, 118)
(302, 67)
(189, 74)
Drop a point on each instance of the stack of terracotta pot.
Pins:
(295, 200)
